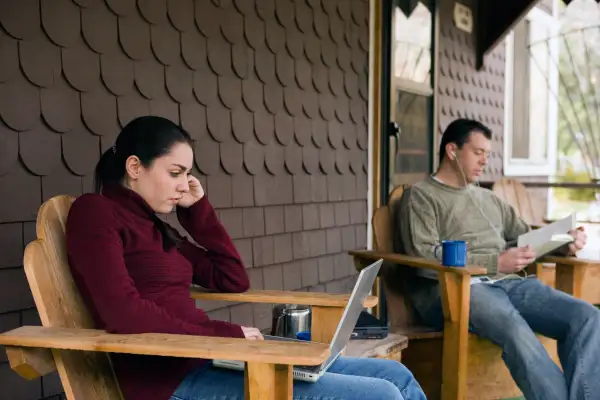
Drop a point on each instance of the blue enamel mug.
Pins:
(454, 253)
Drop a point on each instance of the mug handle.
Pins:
(435, 250)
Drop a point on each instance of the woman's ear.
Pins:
(133, 167)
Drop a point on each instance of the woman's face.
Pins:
(164, 182)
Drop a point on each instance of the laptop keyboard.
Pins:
(310, 368)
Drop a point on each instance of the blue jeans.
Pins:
(508, 313)
(348, 378)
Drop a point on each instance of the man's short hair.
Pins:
(459, 132)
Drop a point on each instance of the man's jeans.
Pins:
(508, 313)
(348, 378)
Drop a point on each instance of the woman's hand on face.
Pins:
(252, 333)
(195, 193)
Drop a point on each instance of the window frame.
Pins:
(526, 166)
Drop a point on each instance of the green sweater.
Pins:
(431, 211)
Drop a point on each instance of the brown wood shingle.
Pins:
(273, 93)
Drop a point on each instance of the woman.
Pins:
(134, 273)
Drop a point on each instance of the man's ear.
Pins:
(132, 167)
(451, 150)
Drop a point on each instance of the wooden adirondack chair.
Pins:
(68, 342)
(453, 364)
(575, 276)
(514, 193)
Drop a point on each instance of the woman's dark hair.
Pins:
(148, 138)
(459, 131)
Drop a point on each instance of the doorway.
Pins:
(411, 90)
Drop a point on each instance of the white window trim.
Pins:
(523, 166)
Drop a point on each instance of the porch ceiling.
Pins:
(496, 19)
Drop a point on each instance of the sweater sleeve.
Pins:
(217, 264)
(514, 226)
(96, 257)
(419, 229)
(487, 260)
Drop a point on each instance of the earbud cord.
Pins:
(483, 213)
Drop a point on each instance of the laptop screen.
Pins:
(361, 290)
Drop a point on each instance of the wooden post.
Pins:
(268, 381)
(456, 292)
(324, 322)
(569, 278)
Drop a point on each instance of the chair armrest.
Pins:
(416, 262)
(570, 276)
(168, 345)
(566, 260)
(35, 351)
(278, 296)
(327, 309)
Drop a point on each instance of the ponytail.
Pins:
(108, 170)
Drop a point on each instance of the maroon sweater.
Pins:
(131, 285)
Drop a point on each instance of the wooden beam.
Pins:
(375, 101)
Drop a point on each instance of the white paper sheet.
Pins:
(550, 237)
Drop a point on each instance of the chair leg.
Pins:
(456, 292)
(268, 381)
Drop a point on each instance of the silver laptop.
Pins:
(307, 373)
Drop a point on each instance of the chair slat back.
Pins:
(515, 193)
(382, 222)
(84, 375)
(400, 312)
(382, 229)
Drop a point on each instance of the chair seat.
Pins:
(416, 332)
(390, 347)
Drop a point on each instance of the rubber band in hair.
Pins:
(114, 149)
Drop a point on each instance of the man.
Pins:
(447, 206)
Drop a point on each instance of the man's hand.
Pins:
(515, 259)
(252, 333)
(195, 193)
(579, 243)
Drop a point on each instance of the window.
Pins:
(531, 105)
(412, 91)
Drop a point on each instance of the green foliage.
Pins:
(578, 92)
(570, 175)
